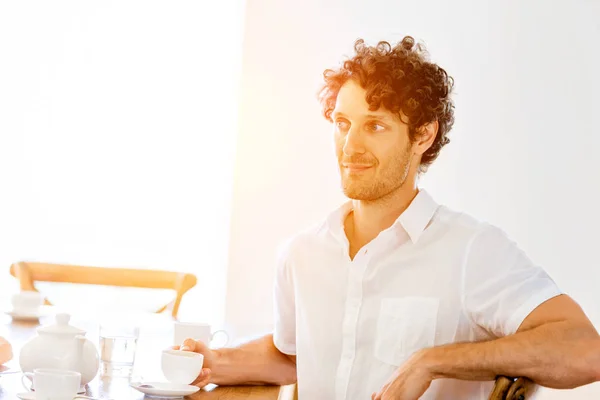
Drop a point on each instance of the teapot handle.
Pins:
(29, 375)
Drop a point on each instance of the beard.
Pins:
(377, 181)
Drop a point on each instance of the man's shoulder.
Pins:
(310, 237)
(462, 224)
(468, 229)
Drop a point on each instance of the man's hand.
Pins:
(209, 359)
(6, 353)
(409, 382)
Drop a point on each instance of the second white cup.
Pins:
(27, 301)
(197, 331)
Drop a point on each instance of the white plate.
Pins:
(27, 316)
(165, 389)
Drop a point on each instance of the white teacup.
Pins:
(27, 302)
(182, 367)
(197, 331)
(53, 384)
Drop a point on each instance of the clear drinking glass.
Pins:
(118, 344)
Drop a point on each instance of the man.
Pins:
(395, 296)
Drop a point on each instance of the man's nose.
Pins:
(354, 142)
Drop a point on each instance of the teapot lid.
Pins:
(62, 326)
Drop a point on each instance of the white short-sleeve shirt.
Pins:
(434, 277)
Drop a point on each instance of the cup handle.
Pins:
(27, 375)
(212, 338)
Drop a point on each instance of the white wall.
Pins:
(527, 96)
(117, 132)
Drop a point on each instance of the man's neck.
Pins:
(369, 218)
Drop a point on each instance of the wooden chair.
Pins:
(288, 392)
(504, 389)
(29, 272)
(512, 389)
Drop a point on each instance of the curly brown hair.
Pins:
(402, 80)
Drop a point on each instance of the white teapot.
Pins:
(61, 346)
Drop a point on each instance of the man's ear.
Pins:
(425, 137)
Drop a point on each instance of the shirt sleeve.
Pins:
(501, 284)
(284, 335)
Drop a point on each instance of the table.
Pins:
(18, 333)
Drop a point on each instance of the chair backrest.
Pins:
(29, 272)
(288, 392)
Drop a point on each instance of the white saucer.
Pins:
(165, 389)
(27, 315)
(82, 390)
(27, 396)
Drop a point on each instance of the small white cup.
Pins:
(197, 331)
(182, 367)
(53, 384)
(27, 301)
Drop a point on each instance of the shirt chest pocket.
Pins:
(405, 325)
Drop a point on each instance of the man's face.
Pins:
(373, 147)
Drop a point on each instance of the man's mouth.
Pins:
(356, 167)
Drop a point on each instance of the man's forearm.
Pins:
(559, 355)
(254, 363)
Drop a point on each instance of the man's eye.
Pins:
(374, 127)
(341, 125)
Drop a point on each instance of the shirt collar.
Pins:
(414, 220)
